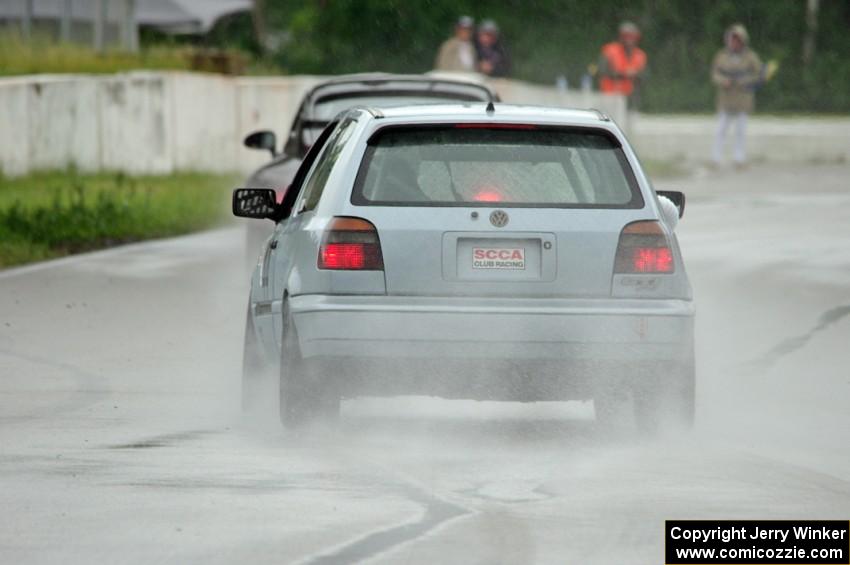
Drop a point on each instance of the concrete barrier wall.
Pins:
(204, 129)
(769, 139)
(158, 122)
(518, 92)
(14, 127)
(151, 122)
(135, 124)
(61, 127)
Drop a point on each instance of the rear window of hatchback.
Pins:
(510, 165)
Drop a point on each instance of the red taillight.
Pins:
(350, 244)
(343, 256)
(643, 248)
(652, 260)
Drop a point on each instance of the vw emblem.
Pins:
(499, 218)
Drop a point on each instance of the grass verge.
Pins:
(40, 55)
(43, 55)
(52, 214)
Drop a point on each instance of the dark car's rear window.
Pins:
(473, 164)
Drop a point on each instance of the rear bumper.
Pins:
(582, 331)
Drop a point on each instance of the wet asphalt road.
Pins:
(121, 439)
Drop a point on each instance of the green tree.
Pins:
(547, 38)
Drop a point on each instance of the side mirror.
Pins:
(676, 197)
(258, 203)
(263, 139)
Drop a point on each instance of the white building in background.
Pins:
(115, 22)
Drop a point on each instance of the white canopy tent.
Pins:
(170, 16)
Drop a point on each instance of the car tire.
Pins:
(668, 403)
(612, 405)
(307, 393)
(254, 368)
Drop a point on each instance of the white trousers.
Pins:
(739, 150)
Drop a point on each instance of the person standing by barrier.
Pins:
(736, 72)
(493, 58)
(458, 52)
(622, 64)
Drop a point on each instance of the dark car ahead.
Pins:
(329, 98)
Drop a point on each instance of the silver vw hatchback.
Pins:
(472, 251)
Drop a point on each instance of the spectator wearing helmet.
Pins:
(622, 64)
(736, 72)
(458, 52)
(493, 58)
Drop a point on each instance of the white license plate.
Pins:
(507, 258)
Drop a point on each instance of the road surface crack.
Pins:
(437, 512)
(792, 344)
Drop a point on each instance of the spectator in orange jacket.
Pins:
(622, 64)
